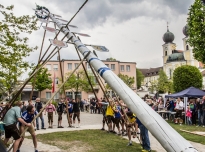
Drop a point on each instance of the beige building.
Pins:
(125, 68)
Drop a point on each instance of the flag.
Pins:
(58, 43)
(100, 48)
(53, 84)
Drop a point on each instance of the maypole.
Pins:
(170, 139)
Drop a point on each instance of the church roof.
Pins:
(179, 56)
(151, 72)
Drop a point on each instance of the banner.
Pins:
(82, 34)
(58, 43)
(100, 48)
(53, 84)
(50, 29)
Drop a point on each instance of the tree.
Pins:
(129, 81)
(79, 82)
(42, 80)
(140, 78)
(186, 76)
(13, 46)
(111, 59)
(196, 30)
(163, 85)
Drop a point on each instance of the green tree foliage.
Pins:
(111, 59)
(163, 85)
(140, 78)
(79, 82)
(42, 80)
(129, 81)
(196, 32)
(13, 46)
(186, 76)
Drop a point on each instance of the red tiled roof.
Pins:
(151, 71)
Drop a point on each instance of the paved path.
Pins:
(88, 121)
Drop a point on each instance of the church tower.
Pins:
(188, 52)
(168, 46)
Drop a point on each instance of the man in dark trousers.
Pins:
(144, 136)
(39, 106)
(60, 108)
(12, 116)
(76, 112)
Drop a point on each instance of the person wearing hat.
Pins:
(11, 118)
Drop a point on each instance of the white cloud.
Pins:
(131, 30)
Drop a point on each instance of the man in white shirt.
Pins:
(179, 108)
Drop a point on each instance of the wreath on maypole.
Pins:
(42, 12)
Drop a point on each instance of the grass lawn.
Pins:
(188, 136)
(101, 141)
(88, 141)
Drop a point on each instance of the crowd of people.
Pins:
(175, 110)
(118, 118)
(116, 114)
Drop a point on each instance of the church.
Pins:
(172, 58)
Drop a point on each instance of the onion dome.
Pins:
(168, 37)
(185, 30)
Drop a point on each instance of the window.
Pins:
(56, 96)
(56, 80)
(113, 67)
(165, 53)
(48, 95)
(128, 68)
(187, 47)
(69, 95)
(107, 65)
(48, 66)
(69, 66)
(122, 68)
(55, 67)
(76, 64)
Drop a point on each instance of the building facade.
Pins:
(125, 68)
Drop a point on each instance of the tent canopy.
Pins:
(189, 92)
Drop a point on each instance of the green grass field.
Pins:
(89, 140)
(188, 136)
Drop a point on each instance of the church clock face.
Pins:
(165, 48)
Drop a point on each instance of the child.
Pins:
(188, 115)
(130, 124)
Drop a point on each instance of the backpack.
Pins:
(60, 108)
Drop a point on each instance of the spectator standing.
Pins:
(50, 108)
(92, 106)
(70, 114)
(39, 106)
(188, 115)
(192, 106)
(60, 108)
(76, 112)
(10, 119)
(179, 108)
(199, 104)
(23, 107)
(203, 108)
